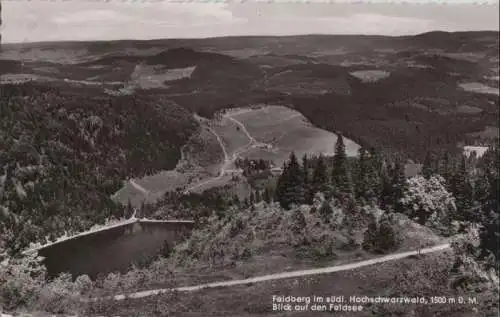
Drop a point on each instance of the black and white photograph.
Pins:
(249, 158)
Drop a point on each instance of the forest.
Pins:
(64, 153)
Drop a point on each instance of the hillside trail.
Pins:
(138, 187)
(228, 160)
(284, 275)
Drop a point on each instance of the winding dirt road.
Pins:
(228, 160)
(139, 187)
(284, 275)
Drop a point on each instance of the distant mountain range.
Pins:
(418, 105)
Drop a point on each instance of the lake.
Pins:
(114, 249)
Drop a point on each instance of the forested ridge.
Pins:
(452, 192)
(318, 208)
(64, 153)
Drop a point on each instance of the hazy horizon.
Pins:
(41, 21)
(239, 36)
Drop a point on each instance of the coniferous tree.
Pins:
(370, 236)
(428, 166)
(462, 190)
(490, 235)
(266, 196)
(341, 178)
(279, 191)
(290, 189)
(362, 181)
(236, 200)
(385, 186)
(445, 168)
(374, 174)
(306, 181)
(481, 189)
(381, 237)
(129, 209)
(388, 237)
(258, 197)
(398, 185)
(219, 202)
(319, 179)
(489, 219)
(325, 211)
(305, 168)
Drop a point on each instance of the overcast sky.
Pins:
(54, 20)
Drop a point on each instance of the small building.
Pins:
(276, 171)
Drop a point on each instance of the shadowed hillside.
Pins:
(65, 152)
(418, 104)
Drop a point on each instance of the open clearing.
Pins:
(148, 77)
(201, 157)
(479, 88)
(469, 109)
(285, 130)
(370, 76)
(480, 150)
(269, 132)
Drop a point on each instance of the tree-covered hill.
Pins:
(63, 153)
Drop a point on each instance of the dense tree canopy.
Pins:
(63, 154)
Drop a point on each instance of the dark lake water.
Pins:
(112, 250)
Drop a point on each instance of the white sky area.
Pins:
(59, 20)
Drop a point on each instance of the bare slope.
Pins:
(282, 130)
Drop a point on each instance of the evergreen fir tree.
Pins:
(129, 209)
(306, 181)
(428, 166)
(299, 221)
(370, 236)
(319, 179)
(462, 189)
(388, 238)
(219, 202)
(490, 220)
(362, 174)
(305, 168)
(445, 168)
(258, 198)
(380, 237)
(279, 191)
(398, 185)
(341, 178)
(374, 187)
(325, 211)
(236, 200)
(481, 189)
(385, 186)
(266, 196)
(290, 189)
(490, 235)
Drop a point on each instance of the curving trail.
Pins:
(284, 275)
(242, 126)
(139, 187)
(228, 161)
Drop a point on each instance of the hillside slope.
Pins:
(64, 153)
(419, 105)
